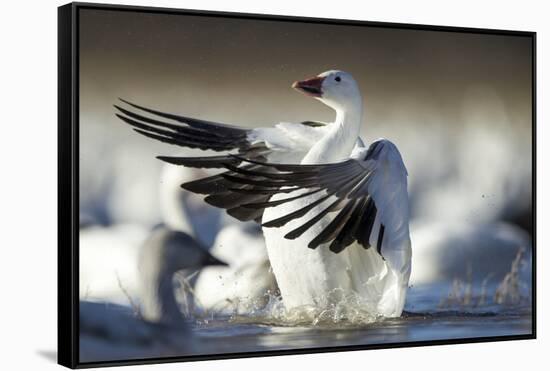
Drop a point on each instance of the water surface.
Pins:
(427, 317)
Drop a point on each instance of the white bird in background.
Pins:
(230, 289)
(447, 251)
(110, 331)
(246, 283)
(335, 213)
(101, 278)
(184, 211)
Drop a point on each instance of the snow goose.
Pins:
(334, 213)
(109, 331)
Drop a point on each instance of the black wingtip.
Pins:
(119, 108)
(192, 189)
(131, 104)
(170, 160)
(292, 235)
(273, 224)
(196, 186)
(312, 245)
(167, 159)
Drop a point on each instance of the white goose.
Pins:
(323, 198)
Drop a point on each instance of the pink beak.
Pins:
(311, 87)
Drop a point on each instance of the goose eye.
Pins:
(338, 79)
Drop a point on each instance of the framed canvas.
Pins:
(237, 185)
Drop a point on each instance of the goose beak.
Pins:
(311, 87)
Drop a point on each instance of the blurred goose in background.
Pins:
(157, 328)
(216, 289)
(102, 278)
(185, 211)
(246, 283)
(162, 255)
(323, 198)
(116, 278)
(246, 278)
(447, 251)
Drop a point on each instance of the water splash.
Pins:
(345, 310)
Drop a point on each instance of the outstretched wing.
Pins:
(367, 193)
(284, 141)
(292, 140)
(192, 133)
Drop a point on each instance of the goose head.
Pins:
(336, 89)
(176, 250)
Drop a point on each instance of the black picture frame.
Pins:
(68, 181)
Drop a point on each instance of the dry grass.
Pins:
(508, 291)
(135, 307)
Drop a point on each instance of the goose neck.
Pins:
(158, 301)
(338, 142)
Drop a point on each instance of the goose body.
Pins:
(334, 212)
(321, 278)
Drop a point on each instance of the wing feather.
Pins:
(372, 183)
(369, 188)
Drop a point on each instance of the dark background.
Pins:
(458, 105)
